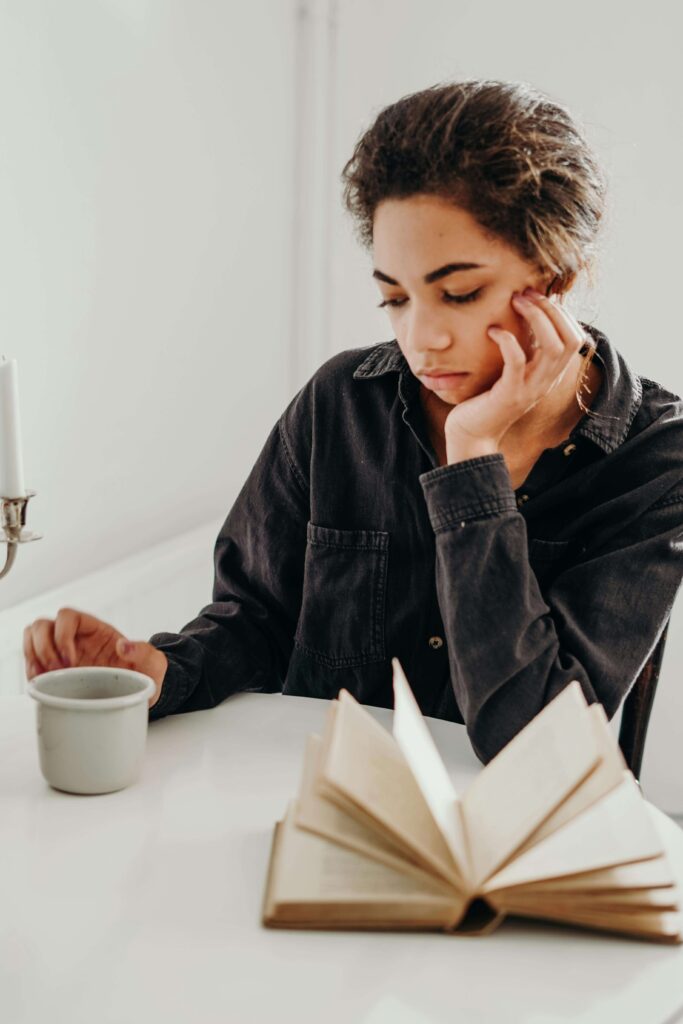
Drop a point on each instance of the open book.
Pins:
(554, 827)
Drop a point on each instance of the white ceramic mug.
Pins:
(92, 727)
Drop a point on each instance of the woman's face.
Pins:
(440, 316)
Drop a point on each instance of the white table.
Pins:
(144, 905)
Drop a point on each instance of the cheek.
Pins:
(488, 377)
(490, 367)
(510, 320)
(492, 358)
(499, 309)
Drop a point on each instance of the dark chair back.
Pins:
(637, 707)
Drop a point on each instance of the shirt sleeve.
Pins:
(243, 639)
(512, 648)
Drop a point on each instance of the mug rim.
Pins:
(92, 703)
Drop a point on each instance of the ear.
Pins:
(561, 286)
(548, 283)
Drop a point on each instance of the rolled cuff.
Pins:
(473, 489)
(174, 691)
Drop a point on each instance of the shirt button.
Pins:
(521, 499)
(569, 449)
(435, 642)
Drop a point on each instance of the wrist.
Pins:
(460, 449)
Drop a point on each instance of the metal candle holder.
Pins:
(13, 527)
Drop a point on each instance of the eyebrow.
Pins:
(433, 275)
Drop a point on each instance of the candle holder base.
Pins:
(13, 529)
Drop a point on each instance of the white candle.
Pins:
(11, 468)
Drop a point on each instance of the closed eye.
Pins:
(458, 299)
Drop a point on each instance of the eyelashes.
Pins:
(456, 299)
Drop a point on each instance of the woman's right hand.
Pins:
(75, 638)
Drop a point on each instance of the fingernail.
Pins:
(66, 662)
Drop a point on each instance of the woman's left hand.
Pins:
(483, 420)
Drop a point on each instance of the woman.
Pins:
(495, 497)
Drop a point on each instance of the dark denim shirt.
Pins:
(348, 544)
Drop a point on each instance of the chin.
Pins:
(449, 397)
(453, 396)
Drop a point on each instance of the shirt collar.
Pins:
(611, 413)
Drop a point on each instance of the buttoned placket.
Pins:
(414, 419)
(541, 475)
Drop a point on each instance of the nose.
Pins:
(427, 331)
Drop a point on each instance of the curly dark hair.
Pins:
(517, 161)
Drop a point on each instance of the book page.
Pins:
(364, 764)
(616, 830)
(329, 820)
(318, 814)
(645, 874)
(530, 777)
(613, 902)
(665, 926)
(607, 774)
(413, 737)
(313, 880)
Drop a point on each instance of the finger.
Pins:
(525, 381)
(66, 630)
(512, 379)
(544, 328)
(44, 645)
(32, 664)
(33, 670)
(514, 358)
(567, 328)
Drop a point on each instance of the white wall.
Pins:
(146, 203)
(157, 155)
(617, 67)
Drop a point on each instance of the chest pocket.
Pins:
(342, 616)
(549, 558)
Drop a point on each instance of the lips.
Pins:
(443, 381)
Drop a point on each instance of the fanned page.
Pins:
(530, 777)
(616, 830)
(366, 768)
(413, 737)
(643, 874)
(660, 926)
(318, 814)
(608, 773)
(314, 883)
(641, 901)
